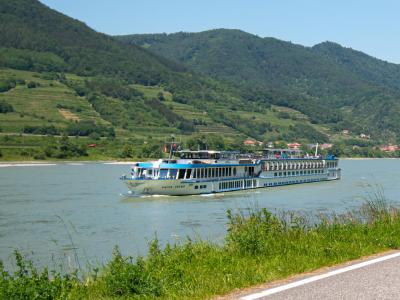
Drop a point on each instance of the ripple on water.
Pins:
(191, 223)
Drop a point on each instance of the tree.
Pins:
(5, 107)
(160, 96)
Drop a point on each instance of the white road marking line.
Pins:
(318, 277)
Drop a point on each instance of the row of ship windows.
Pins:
(222, 172)
(291, 182)
(277, 166)
(294, 173)
(196, 187)
(214, 172)
(237, 184)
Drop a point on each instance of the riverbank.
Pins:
(56, 162)
(259, 247)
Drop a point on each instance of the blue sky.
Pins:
(372, 26)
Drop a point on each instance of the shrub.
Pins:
(85, 128)
(39, 156)
(5, 107)
(255, 234)
(28, 283)
(44, 130)
(126, 277)
(33, 84)
(7, 85)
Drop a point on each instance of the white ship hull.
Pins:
(187, 187)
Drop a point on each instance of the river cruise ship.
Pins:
(205, 172)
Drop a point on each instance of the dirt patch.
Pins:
(68, 114)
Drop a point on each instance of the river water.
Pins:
(72, 214)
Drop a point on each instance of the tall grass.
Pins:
(259, 247)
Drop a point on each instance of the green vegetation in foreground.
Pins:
(258, 247)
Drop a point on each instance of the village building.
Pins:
(389, 148)
(325, 146)
(365, 136)
(252, 143)
(293, 145)
(345, 132)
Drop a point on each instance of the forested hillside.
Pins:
(333, 85)
(60, 77)
(125, 95)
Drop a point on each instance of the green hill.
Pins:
(127, 94)
(58, 76)
(333, 85)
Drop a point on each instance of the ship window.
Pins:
(196, 187)
(163, 173)
(172, 173)
(188, 173)
(230, 171)
(181, 173)
(201, 173)
(212, 172)
(234, 171)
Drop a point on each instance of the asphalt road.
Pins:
(374, 278)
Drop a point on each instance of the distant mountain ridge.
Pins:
(346, 83)
(218, 81)
(36, 38)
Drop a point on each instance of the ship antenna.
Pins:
(170, 146)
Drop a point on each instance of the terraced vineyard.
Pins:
(49, 103)
(44, 100)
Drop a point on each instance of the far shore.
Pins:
(26, 163)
